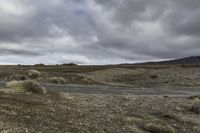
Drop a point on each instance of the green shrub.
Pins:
(57, 80)
(34, 74)
(158, 128)
(26, 86)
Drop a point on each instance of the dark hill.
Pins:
(188, 60)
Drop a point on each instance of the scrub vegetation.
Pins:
(27, 106)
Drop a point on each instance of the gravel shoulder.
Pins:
(89, 113)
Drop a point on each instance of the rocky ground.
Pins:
(73, 113)
(148, 77)
(62, 112)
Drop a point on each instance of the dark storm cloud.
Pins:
(42, 18)
(159, 29)
(98, 31)
(18, 52)
(183, 17)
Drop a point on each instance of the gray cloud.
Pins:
(98, 31)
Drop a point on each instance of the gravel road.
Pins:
(120, 90)
(123, 91)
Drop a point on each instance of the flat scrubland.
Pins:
(116, 75)
(25, 106)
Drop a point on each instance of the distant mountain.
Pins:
(188, 60)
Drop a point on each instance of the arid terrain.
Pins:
(116, 75)
(99, 66)
(65, 111)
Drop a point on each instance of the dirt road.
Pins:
(119, 90)
(123, 91)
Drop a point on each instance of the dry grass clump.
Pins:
(158, 128)
(58, 80)
(17, 77)
(196, 105)
(26, 86)
(65, 95)
(193, 97)
(34, 74)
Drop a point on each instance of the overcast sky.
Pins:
(97, 31)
